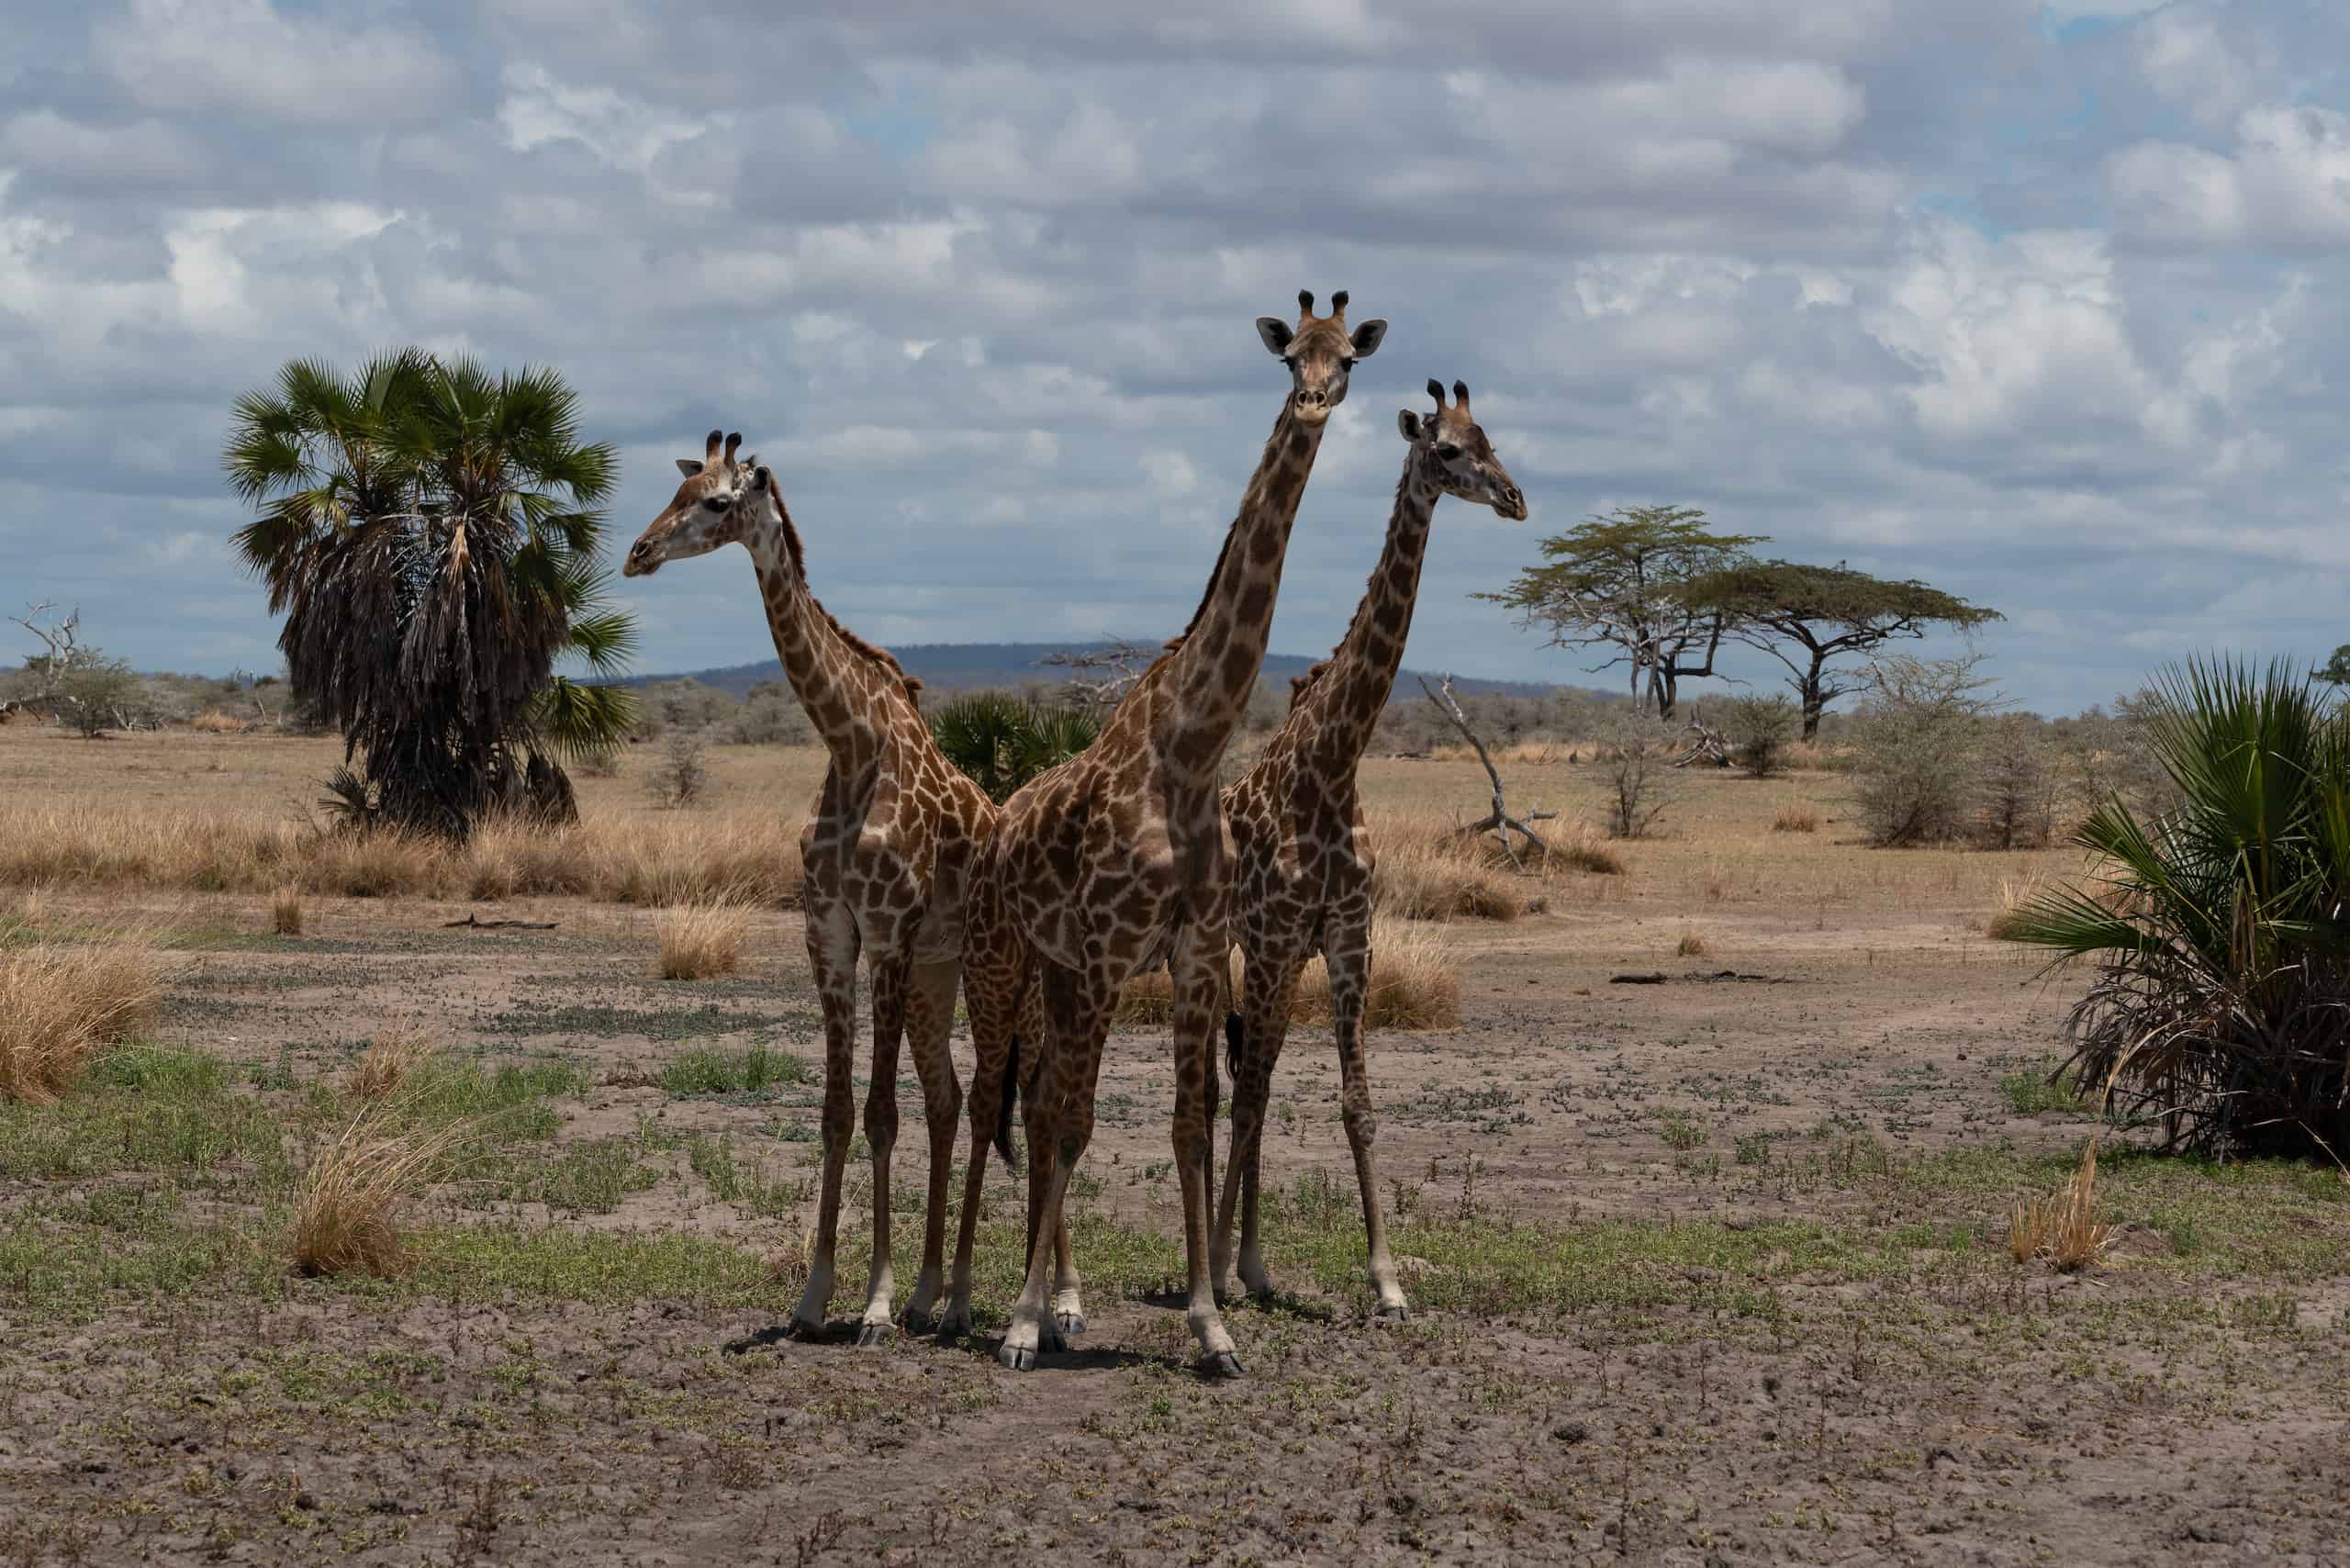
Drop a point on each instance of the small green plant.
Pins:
(1680, 1133)
(1753, 1148)
(2043, 1087)
(754, 1071)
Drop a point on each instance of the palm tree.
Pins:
(2219, 928)
(429, 531)
(1002, 742)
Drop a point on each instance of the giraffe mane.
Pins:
(856, 645)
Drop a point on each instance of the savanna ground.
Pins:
(1714, 1271)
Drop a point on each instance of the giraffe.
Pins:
(890, 846)
(1302, 858)
(1114, 861)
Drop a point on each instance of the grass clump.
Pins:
(754, 1070)
(387, 1064)
(1691, 946)
(2065, 1228)
(286, 912)
(347, 1214)
(1797, 816)
(62, 1004)
(2043, 1087)
(701, 940)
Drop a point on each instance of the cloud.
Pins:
(248, 58)
(2040, 304)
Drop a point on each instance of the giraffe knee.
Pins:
(1362, 1124)
(880, 1122)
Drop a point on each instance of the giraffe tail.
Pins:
(1232, 1044)
(1004, 1112)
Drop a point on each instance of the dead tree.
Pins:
(63, 641)
(1706, 744)
(1498, 821)
(1104, 675)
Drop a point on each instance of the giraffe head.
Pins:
(1452, 449)
(709, 509)
(1319, 352)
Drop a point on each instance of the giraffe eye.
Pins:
(1448, 451)
(718, 503)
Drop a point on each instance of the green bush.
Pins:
(2219, 929)
(1002, 742)
(1759, 729)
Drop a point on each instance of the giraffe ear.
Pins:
(1276, 333)
(1368, 337)
(1409, 423)
(759, 476)
(689, 467)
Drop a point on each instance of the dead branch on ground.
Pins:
(1498, 820)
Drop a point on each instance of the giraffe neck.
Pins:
(845, 695)
(1216, 670)
(1348, 699)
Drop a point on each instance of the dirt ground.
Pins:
(1713, 1271)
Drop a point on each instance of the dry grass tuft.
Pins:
(286, 912)
(2014, 893)
(216, 722)
(1412, 982)
(1411, 985)
(1579, 847)
(347, 1217)
(2064, 1227)
(703, 939)
(385, 1066)
(1691, 946)
(61, 1003)
(1797, 816)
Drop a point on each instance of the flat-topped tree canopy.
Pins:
(1617, 583)
(1807, 616)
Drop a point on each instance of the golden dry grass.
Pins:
(387, 1064)
(699, 940)
(216, 722)
(1413, 986)
(61, 1003)
(2014, 893)
(680, 861)
(1797, 816)
(2061, 1229)
(286, 912)
(1691, 946)
(347, 1215)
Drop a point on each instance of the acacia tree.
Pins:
(1806, 617)
(1619, 583)
(429, 534)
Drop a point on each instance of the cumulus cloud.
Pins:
(2029, 300)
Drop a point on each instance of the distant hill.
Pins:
(961, 666)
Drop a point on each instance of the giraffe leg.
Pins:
(1069, 1301)
(994, 979)
(1198, 1004)
(1267, 989)
(1347, 951)
(831, 955)
(930, 1018)
(1060, 1123)
(891, 975)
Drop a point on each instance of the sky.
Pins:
(2043, 304)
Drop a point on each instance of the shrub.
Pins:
(701, 939)
(770, 715)
(1640, 782)
(2220, 931)
(1759, 729)
(60, 1004)
(683, 777)
(1916, 740)
(2023, 782)
(1001, 742)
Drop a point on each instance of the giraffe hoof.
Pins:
(1221, 1364)
(875, 1333)
(1070, 1323)
(953, 1329)
(1396, 1312)
(1019, 1358)
(803, 1329)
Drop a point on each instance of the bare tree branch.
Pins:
(1498, 821)
(1105, 674)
